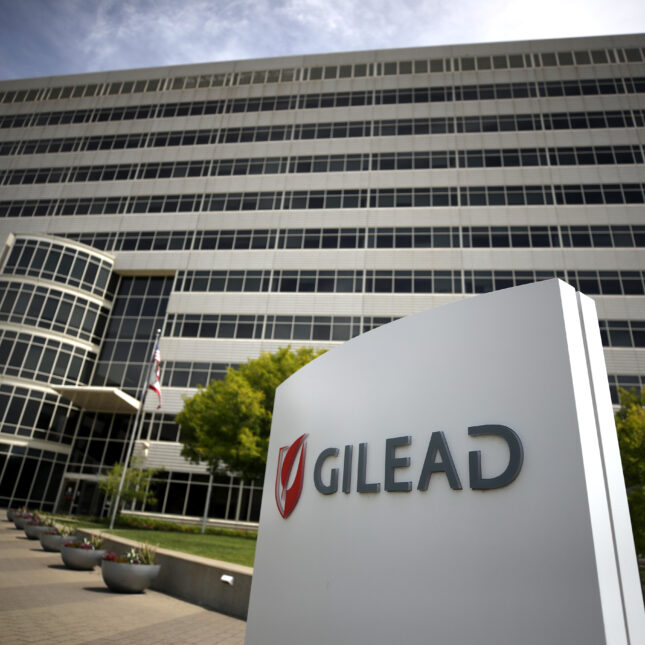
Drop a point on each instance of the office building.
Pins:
(248, 205)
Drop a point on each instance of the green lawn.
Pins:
(219, 547)
(228, 548)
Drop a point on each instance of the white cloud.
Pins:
(86, 35)
(170, 32)
(561, 19)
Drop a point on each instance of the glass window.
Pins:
(582, 58)
(549, 60)
(499, 62)
(52, 262)
(565, 58)
(389, 69)
(360, 70)
(599, 56)
(49, 310)
(516, 60)
(467, 64)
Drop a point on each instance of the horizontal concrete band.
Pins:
(193, 578)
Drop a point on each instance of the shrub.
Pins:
(145, 554)
(95, 542)
(129, 521)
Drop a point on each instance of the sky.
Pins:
(51, 37)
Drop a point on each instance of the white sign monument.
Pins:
(452, 478)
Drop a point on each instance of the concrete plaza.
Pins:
(42, 601)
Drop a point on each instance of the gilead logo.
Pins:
(287, 497)
(438, 459)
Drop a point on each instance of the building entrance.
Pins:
(81, 497)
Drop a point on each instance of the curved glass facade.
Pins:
(48, 259)
(77, 315)
(55, 300)
(43, 359)
(50, 308)
(30, 475)
(35, 414)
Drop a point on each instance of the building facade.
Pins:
(241, 207)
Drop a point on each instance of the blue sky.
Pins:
(47, 37)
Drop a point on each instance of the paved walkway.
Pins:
(41, 601)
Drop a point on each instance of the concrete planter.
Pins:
(193, 578)
(54, 542)
(123, 577)
(10, 514)
(20, 522)
(33, 531)
(81, 559)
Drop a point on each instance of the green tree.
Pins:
(135, 486)
(630, 425)
(227, 423)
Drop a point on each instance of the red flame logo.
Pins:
(287, 498)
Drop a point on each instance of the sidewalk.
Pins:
(41, 601)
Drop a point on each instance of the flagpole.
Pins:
(208, 500)
(135, 429)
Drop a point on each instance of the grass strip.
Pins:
(218, 547)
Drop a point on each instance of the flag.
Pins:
(154, 383)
